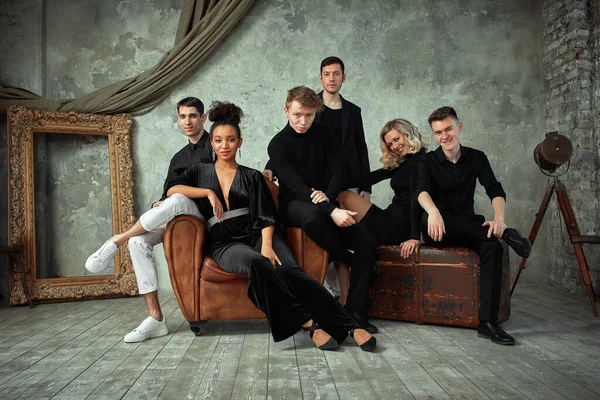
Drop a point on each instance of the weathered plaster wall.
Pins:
(72, 187)
(571, 47)
(21, 65)
(403, 59)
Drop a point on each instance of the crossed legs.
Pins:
(290, 298)
(145, 233)
(349, 200)
(336, 241)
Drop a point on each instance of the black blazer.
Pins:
(353, 140)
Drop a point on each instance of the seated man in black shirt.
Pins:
(148, 231)
(345, 120)
(446, 188)
(309, 163)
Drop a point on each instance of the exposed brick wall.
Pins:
(570, 52)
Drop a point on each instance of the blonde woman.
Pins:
(399, 223)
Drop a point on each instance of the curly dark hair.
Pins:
(224, 113)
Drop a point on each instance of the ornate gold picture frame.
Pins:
(23, 126)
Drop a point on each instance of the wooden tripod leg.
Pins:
(534, 230)
(575, 236)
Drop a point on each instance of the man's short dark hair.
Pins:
(332, 60)
(442, 113)
(191, 102)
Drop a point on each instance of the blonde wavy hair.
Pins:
(390, 159)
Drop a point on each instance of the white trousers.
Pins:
(155, 221)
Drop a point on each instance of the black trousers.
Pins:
(286, 294)
(466, 230)
(336, 241)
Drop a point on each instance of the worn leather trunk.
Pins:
(433, 286)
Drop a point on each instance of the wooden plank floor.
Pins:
(76, 351)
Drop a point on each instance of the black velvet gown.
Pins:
(287, 296)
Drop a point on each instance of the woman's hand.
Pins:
(267, 251)
(216, 205)
(408, 247)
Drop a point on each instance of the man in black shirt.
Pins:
(446, 188)
(311, 170)
(148, 231)
(345, 119)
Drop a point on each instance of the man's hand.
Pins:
(408, 247)
(318, 196)
(267, 251)
(366, 195)
(216, 205)
(343, 218)
(435, 225)
(268, 174)
(156, 203)
(497, 227)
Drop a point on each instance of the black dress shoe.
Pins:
(518, 243)
(331, 344)
(363, 322)
(494, 332)
(369, 345)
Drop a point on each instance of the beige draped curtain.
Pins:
(203, 24)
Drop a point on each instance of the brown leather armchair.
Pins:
(206, 292)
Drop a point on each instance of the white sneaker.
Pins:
(148, 329)
(100, 260)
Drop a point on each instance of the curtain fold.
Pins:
(203, 24)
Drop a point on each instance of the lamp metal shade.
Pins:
(553, 152)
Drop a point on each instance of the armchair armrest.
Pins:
(310, 256)
(183, 243)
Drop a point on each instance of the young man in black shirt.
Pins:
(310, 166)
(446, 187)
(148, 231)
(345, 119)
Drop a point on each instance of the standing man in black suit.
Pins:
(345, 119)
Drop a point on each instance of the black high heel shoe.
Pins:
(369, 345)
(331, 344)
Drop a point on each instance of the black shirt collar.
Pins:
(200, 143)
(441, 157)
(289, 128)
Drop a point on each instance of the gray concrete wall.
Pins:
(571, 48)
(403, 59)
(22, 65)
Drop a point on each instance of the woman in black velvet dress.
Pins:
(399, 223)
(243, 240)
